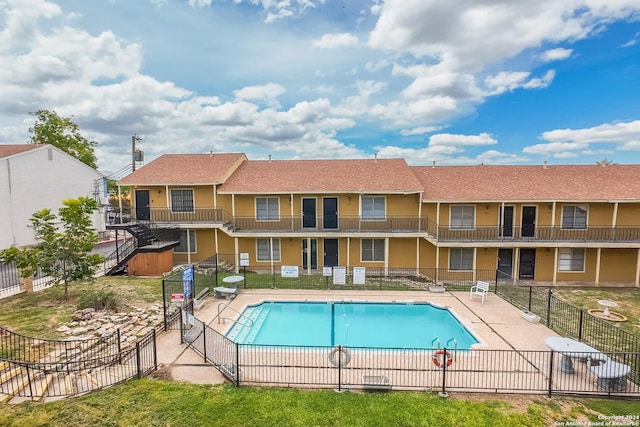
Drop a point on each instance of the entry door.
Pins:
(505, 263)
(506, 221)
(527, 263)
(528, 221)
(330, 213)
(330, 252)
(314, 254)
(143, 212)
(309, 213)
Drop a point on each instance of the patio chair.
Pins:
(480, 288)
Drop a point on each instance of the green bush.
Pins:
(100, 300)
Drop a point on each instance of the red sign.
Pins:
(177, 297)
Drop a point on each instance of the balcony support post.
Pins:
(598, 255)
(555, 265)
(638, 269)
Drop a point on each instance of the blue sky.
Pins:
(460, 82)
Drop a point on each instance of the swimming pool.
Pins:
(354, 324)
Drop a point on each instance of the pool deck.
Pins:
(496, 323)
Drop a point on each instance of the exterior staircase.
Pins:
(145, 237)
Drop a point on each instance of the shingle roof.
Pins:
(7, 150)
(491, 183)
(185, 169)
(323, 176)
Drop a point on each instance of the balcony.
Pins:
(343, 224)
(540, 234)
(390, 224)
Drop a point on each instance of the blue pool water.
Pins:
(386, 325)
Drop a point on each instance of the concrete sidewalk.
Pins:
(182, 363)
(496, 323)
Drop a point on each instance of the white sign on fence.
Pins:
(358, 275)
(244, 259)
(327, 271)
(289, 271)
(339, 275)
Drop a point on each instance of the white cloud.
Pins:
(450, 139)
(373, 66)
(506, 81)
(565, 143)
(200, 3)
(615, 133)
(555, 148)
(336, 40)
(260, 92)
(633, 41)
(557, 54)
(449, 148)
(420, 130)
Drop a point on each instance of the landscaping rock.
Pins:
(79, 331)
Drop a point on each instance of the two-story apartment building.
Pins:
(544, 223)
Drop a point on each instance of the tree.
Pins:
(63, 133)
(605, 162)
(63, 255)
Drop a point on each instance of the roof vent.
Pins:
(433, 164)
(211, 153)
(375, 157)
(269, 158)
(544, 165)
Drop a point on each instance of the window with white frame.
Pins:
(267, 209)
(372, 249)
(183, 248)
(571, 259)
(462, 216)
(574, 217)
(373, 207)
(264, 249)
(181, 200)
(461, 259)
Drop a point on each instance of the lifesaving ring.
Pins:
(441, 357)
(339, 356)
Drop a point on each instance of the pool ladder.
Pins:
(436, 340)
(226, 305)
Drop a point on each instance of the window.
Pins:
(574, 217)
(571, 259)
(462, 217)
(373, 208)
(461, 259)
(267, 209)
(181, 200)
(264, 250)
(372, 249)
(182, 248)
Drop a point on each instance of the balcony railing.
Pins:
(338, 224)
(540, 234)
(390, 224)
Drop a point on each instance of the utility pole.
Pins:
(134, 153)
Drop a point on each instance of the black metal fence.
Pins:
(376, 278)
(36, 369)
(443, 370)
(572, 321)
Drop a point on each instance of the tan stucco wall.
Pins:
(618, 265)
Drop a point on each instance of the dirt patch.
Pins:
(162, 373)
(519, 402)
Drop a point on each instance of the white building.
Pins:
(34, 177)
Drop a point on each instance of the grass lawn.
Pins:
(628, 300)
(38, 314)
(153, 402)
